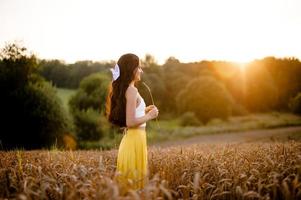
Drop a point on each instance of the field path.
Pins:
(234, 137)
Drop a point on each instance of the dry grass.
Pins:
(222, 171)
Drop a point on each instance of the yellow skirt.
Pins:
(132, 163)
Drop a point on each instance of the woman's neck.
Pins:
(132, 83)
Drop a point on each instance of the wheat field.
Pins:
(268, 170)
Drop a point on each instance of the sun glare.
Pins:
(241, 65)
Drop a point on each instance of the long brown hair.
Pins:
(116, 102)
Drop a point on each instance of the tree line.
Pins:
(32, 115)
(262, 85)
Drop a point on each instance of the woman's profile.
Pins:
(126, 108)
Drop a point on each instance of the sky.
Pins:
(190, 30)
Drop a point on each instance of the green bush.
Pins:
(207, 98)
(31, 114)
(239, 110)
(87, 124)
(295, 104)
(189, 119)
(35, 117)
(92, 93)
(87, 106)
(215, 122)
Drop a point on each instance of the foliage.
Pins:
(70, 75)
(16, 66)
(259, 86)
(31, 113)
(189, 119)
(87, 106)
(157, 86)
(92, 93)
(261, 91)
(286, 73)
(206, 97)
(239, 110)
(295, 104)
(87, 124)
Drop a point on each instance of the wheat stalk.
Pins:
(153, 102)
(201, 171)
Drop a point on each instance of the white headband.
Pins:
(115, 72)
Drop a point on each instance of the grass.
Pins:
(65, 94)
(171, 130)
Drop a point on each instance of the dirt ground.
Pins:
(237, 137)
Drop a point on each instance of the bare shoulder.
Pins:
(131, 91)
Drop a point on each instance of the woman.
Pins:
(127, 109)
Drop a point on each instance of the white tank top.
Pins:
(140, 110)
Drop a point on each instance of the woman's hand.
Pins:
(153, 113)
(148, 108)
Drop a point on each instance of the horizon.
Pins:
(190, 31)
(21, 44)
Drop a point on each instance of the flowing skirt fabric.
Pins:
(132, 163)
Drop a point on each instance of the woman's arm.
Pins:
(131, 120)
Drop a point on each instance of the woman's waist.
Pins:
(142, 128)
(134, 130)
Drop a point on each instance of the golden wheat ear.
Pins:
(153, 102)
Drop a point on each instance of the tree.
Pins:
(69, 75)
(206, 97)
(261, 92)
(295, 104)
(32, 115)
(157, 87)
(88, 105)
(149, 61)
(286, 74)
